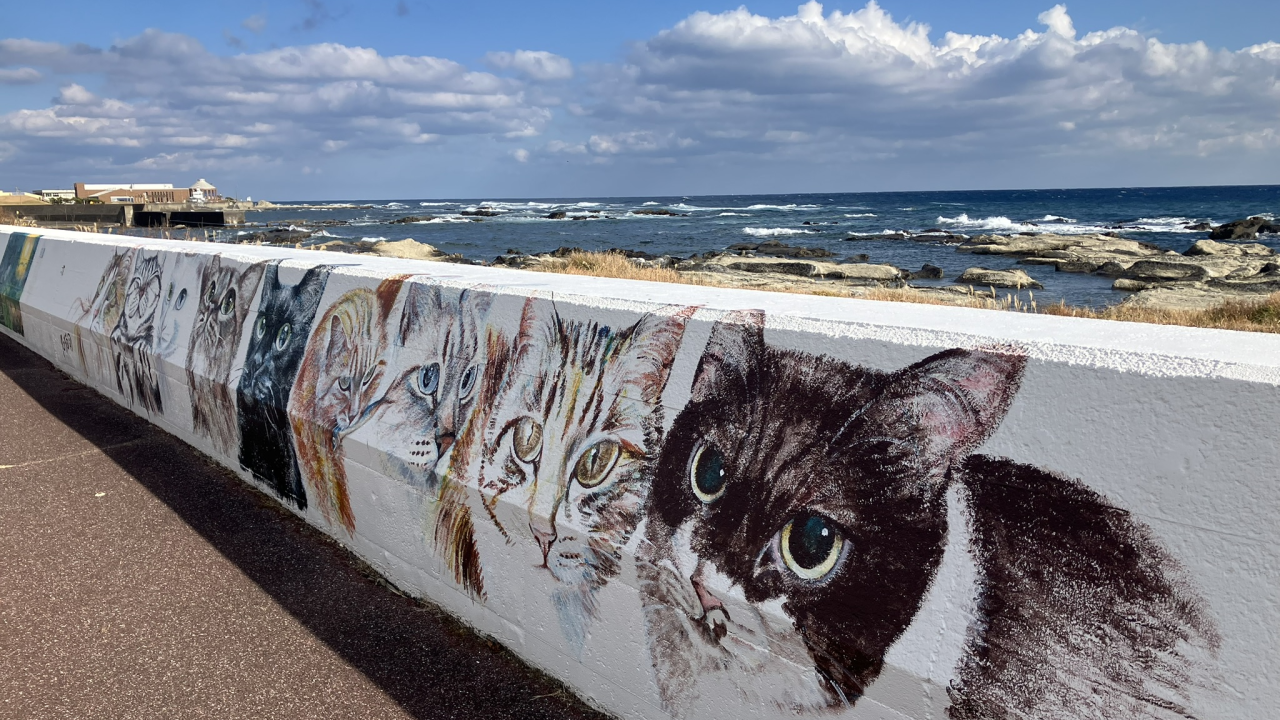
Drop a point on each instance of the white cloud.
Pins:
(831, 87)
(255, 23)
(535, 64)
(20, 76)
(159, 90)
(521, 155)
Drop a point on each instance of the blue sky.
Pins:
(325, 99)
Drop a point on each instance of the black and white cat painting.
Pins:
(799, 516)
(277, 343)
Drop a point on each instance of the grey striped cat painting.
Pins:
(802, 507)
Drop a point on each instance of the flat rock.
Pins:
(1016, 279)
(408, 249)
(1213, 247)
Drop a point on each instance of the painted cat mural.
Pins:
(277, 343)
(335, 389)
(569, 444)
(224, 293)
(800, 513)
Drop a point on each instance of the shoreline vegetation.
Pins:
(1228, 284)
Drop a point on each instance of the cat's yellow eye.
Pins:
(229, 304)
(526, 438)
(594, 465)
(811, 546)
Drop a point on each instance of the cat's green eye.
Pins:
(811, 546)
(282, 337)
(594, 465)
(706, 472)
(229, 304)
(344, 383)
(260, 328)
(212, 296)
(368, 375)
(526, 438)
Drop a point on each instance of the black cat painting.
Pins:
(277, 342)
(800, 514)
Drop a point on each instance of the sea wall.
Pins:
(705, 503)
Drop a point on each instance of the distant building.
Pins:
(135, 193)
(131, 193)
(205, 190)
(57, 194)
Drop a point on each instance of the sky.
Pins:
(398, 99)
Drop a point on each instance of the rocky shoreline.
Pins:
(1211, 272)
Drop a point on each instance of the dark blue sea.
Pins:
(843, 223)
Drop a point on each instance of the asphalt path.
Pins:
(140, 580)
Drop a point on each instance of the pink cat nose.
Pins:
(709, 602)
(545, 535)
(445, 442)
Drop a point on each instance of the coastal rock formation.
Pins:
(658, 211)
(1211, 247)
(855, 273)
(1016, 279)
(777, 248)
(413, 219)
(1246, 229)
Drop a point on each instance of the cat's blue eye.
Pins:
(282, 337)
(260, 328)
(229, 306)
(182, 299)
(707, 474)
(468, 380)
(811, 546)
(428, 379)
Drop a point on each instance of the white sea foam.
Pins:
(1057, 219)
(372, 239)
(770, 232)
(860, 215)
(727, 214)
(792, 206)
(431, 204)
(650, 203)
(998, 222)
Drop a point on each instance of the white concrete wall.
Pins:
(1170, 432)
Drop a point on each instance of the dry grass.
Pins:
(11, 219)
(1253, 316)
(1248, 315)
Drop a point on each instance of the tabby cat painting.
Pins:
(781, 531)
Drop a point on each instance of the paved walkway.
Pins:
(140, 581)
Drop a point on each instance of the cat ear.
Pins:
(946, 405)
(736, 344)
(421, 302)
(387, 292)
(337, 339)
(311, 286)
(538, 323)
(478, 300)
(248, 283)
(651, 349)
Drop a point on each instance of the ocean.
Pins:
(844, 223)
